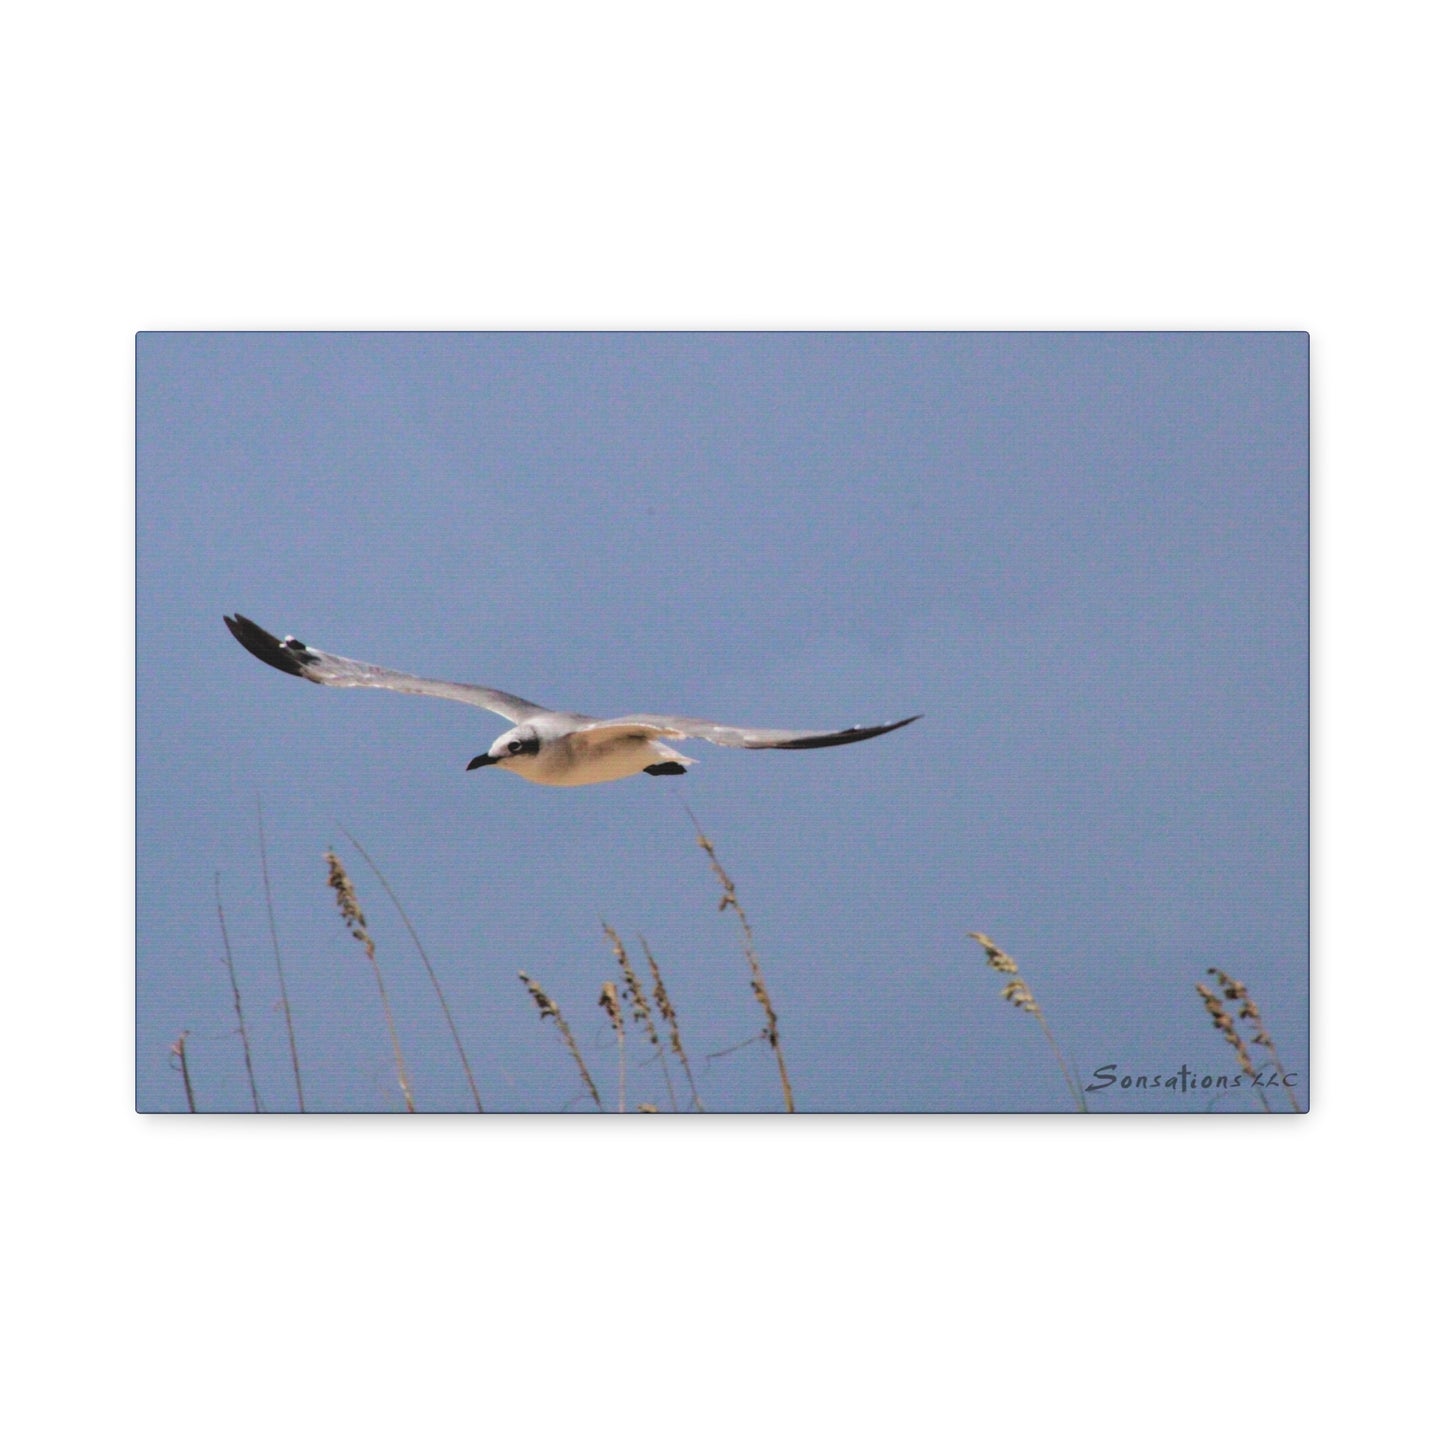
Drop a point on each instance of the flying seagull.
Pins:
(564, 749)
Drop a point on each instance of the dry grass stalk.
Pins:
(549, 1010)
(1021, 996)
(1225, 1024)
(665, 1008)
(280, 972)
(612, 1006)
(1249, 1014)
(1221, 1019)
(179, 1050)
(236, 1000)
(760, 988)
(633, 992)
(355, 921)
(430, 972)
(631, 988)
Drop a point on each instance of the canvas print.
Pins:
(718, 723)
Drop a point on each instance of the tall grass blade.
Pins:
(179, 1050)
(431, 973)
(669, 1014)
(612, 1006)
(1249, 1014)
(1021, 996)
(280, 972)
(236, 1000)
(760, 988)
(549, 1010)
(355, 921)
(633, 992)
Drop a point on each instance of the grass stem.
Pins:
(612, 1006)
(633, 992)
(355, 921)
(179, 1050)
(431, 973)
(1249, 1014)
(669, 1014)
(549, 1010)
(236, 1000)
(760, 988)
(280, 972)
(1021, 996)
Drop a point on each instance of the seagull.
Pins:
(563, 749)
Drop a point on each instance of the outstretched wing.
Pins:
(731, 737)
(286, 654)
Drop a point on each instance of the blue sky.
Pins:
(1083, 557)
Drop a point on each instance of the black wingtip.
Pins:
(259, 643)
(850, 735)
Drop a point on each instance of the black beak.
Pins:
(481, 760)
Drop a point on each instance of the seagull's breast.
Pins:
(576, 758)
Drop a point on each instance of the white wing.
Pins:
(734, 737)
(289, 655)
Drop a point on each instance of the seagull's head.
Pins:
(512, 747)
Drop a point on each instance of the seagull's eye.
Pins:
(515, 746)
